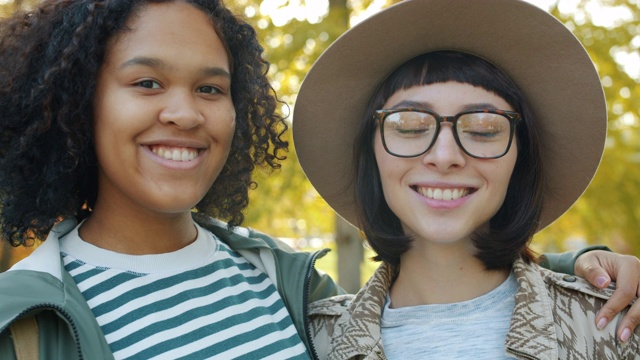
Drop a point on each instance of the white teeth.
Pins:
(443, 194)
(175, 154)
(437, 194)
(446, 194)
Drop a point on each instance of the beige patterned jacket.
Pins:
(554, 318)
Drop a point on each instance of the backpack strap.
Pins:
(26, 338)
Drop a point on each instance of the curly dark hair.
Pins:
(49, 61)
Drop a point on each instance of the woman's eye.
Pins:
(412, 131)
(208, 89)
(149, 84)
(483, 133)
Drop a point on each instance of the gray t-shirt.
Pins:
(473, 329)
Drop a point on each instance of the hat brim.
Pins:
(544, 59)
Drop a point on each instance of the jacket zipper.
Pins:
(305, 303)
(62, 312)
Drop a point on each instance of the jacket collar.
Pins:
(531, 334)
(532, 331)
(40, 292)
(48, 253)
(365, 313)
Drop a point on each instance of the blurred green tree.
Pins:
(295, 32)
(9, 6)
(609, 211)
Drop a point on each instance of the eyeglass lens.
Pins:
(483, 135)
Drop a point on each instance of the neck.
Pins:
(442, 274)
(137, 233)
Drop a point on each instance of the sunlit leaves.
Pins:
(609, 211)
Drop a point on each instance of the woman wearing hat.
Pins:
(473, 125)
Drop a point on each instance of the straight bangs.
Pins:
(445, 66)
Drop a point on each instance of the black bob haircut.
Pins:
(49, 61)
(512, 227)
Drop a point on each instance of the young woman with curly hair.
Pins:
(51, 59)
(127, 127)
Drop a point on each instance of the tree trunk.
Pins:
(348, 241)
(350, 255)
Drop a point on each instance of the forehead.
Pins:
(171, 29)
(447, 98)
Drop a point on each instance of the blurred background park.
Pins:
(294, 34)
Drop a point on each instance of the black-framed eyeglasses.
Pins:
(483, 134)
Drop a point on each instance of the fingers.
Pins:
(602, 267)
(595, 274)
(628, 285)
(627, 276)
(629, 323)
(621, 298)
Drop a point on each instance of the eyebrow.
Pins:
(480, 106)
(429, 106)
(159, 64)
(412, 104)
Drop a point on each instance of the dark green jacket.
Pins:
(40, 286)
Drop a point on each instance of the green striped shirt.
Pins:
(204, 301)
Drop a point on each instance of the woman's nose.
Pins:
(181, 110)
(445, 153)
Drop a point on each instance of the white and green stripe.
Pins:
(203, 301)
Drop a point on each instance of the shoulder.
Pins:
(562, 293)
(327, 321)
(21, 290)
(571, 285)
(348, 326)
(327, 314)
(334, 306)
(27, 284)
(570, 304)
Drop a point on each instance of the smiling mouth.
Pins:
(443, 194)
(175, 153)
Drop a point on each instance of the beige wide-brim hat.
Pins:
(539, 53)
